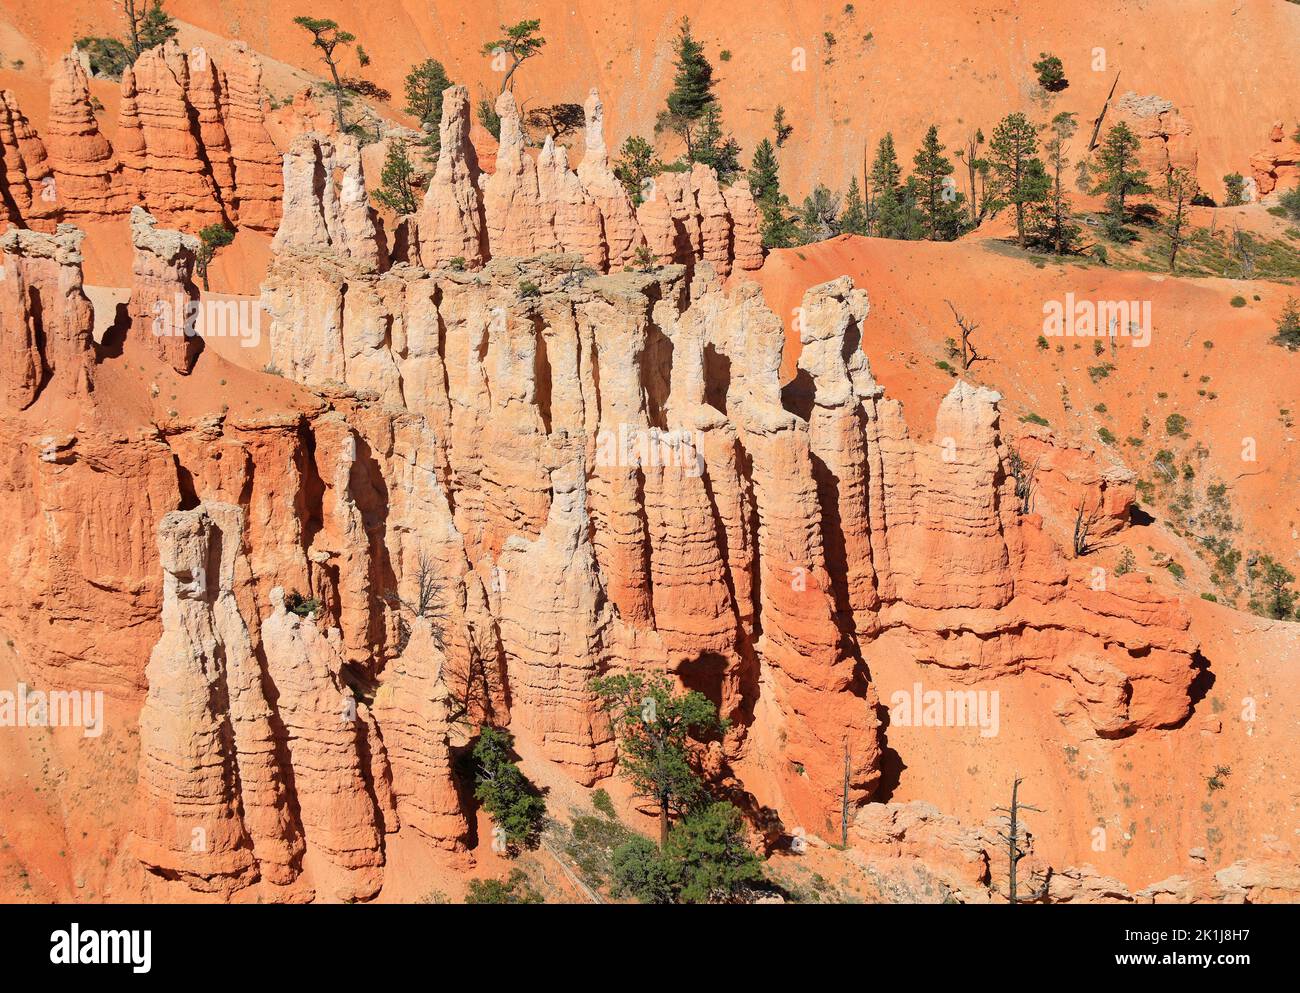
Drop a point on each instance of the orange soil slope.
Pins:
(1195, 334)
(1149, 794)
(1229, 67)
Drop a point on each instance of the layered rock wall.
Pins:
(494, 484)
(191, 146)
(628, 505)
(531, 205)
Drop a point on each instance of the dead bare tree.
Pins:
(1182, 191)
(968, 328)
(1096, 125)
(1084, 522)
(1013, 837)
(1243, 251)
(465, 675)
(428, 601)
(1025, 474)
(844, 799)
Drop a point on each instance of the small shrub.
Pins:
(639, 871)
(1106, 436)
(1176, 426)
(515, 888)
(1234, 185)
(1051, 73)
(603, 804)
(1288, 326)
(1032, 418)
(1042, 343)
(1127, 562)
(528, 289)
(1238, 301)
(303, 606)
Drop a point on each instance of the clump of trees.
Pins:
(148, 25)
(693, 113)
(703, 855)
(925, 206)
(517, 810)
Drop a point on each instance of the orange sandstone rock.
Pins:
(27, 188)
(45, 315)
(87, 172)
(165, 164)
(163, 291)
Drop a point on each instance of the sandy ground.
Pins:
(846, 73)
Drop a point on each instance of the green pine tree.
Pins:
(507, 796)
(1052, 217)
(328, 37)
(778, 226)
(212, 239)
(1117, 166)
(692, 90)
(518, 43)
(652, 722)
(636, 163)
(424, 87)
(716, 149)
(764, 173)
(1019, 175)
(155, 27)
(854, 218)
(708, 857)
(1234, 189)
(940, 203)
(396, 191)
